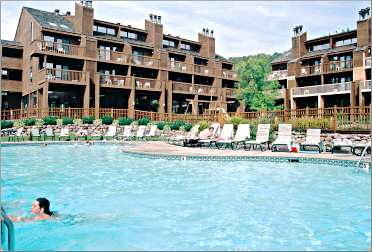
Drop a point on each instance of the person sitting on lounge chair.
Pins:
(206, 134)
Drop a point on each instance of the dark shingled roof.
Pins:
(47, 19)
(221, 58)
(11, 43)
(285, 57)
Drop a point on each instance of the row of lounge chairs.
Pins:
(225, 138)
(65, 134)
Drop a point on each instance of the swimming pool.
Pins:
(109, 200)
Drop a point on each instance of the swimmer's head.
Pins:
(40, 206)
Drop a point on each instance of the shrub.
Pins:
(177, 125)
(125, 121)
(203, 125)
(29, 121)
(6, 124)
(50, 120)
(67, 121)
(88, 119)
(187, 127)
(160, 125)
(236, 120)
(107, 120)
(301, 124)
(144, 121)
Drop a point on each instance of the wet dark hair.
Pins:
(211, 128)
(44, 203)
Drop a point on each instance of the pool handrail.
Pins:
(9, 224)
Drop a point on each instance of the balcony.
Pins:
(338, 66)
(61, 76)
(201, 69)
(183, 88)
(145, 61)
(309, 70)
(229, 92)
(365, 86)
(327, 89)
(147, 84)
(58, 49)
(11, 63)
(228, 74)
(278, 75)
(180, 66)
(112, 56)
(205, 90)
(115, 81)
(11, 85)
(367, 62)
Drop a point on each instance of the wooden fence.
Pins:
(339, 117)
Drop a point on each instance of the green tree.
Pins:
(256, 91)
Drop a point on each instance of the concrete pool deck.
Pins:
(163, 149)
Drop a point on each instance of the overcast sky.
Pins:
(240, 27)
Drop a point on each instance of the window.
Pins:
(185, 47)
(64, 26)
(4, 73)
(111, 31)
(48, 38)
(319, 47)
(101, 29)
(168, 43)
(130, 35)
(346, 42)
(52, 24)
(32, 31)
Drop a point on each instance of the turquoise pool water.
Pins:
(109, 200)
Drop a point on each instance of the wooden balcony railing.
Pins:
(147, 84)
(367, 62)
(144, 61)
(309, 70)
(336, 66)
(55, 75)
(180, 66)
(322, 89)
(202, 69)
(205, 90)
(12, 63)
(365, 86)
(115, 80)
(113, 56)
(183, 87)
(278, 75)
(229, 74)
(57, 48)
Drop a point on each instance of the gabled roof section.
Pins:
(10, 43)
(285, 57)
(221, 58)
(51, 20)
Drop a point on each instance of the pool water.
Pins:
(109, 200)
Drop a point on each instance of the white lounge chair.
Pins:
(216, 132)
(192, 135)
(111, 132)
(152, 131)
(340, 143)
(127, 133)
(18, 134)
(226, 136)
(262, 137)
(312, 140)
(243, 133)
(49, 133)
(358, 148)
(284, 138)
(65, 132)
(35, 132)
(140, 132)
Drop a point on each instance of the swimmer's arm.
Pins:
(20, 218)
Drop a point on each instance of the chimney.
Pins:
(159, 19)
(68, 13)
(56, 11)
(151, 17)
(155, 18)
(83, 19)
(364, 27)
(298, 42)
(207, 41)
(155, 31)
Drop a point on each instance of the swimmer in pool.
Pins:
(40, 207)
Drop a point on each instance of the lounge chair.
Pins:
(140, 132)
(18, 134)
(126, 134)
(35, 132)
(358, 148)
(262, 137)
(283, 142)
(216, 132)
(65, 132)
(49, 133)
(111, 132)
(340, 143)
(243, 133)
(152, 131)
(81, 134)
(312, 140)
(226, 136)
(192, 135)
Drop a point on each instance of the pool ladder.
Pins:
(361, 161)
(5, 221)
